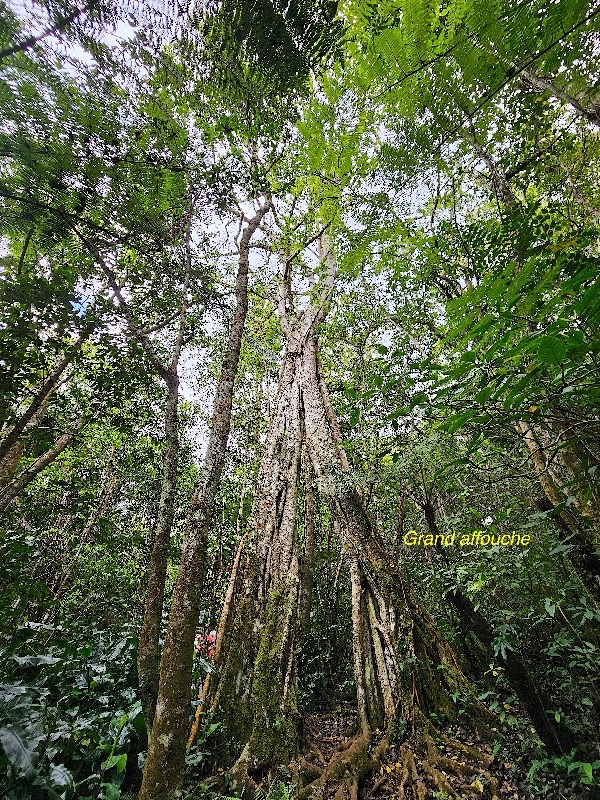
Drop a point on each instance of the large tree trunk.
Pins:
(148, 658)
(256, 689)
(403, 667)
(165, 761)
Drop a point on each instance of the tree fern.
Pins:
(470, 51)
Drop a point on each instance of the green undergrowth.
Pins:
(70, 722)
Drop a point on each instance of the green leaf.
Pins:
(19, 751)
(552, 350)
(110, 791)
(550, 606)
(138, 721)
(561, 548)
(35, 661)
(119, 761)
(60, 776)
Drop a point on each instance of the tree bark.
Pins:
(308, 553)
(148, 650)
(165, 761)
(403, 667)
(148, 657)
(590, 112)
(393, 621)
(10, 462)
(223, 621)
(255, 690)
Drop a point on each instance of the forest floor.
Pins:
(454, 766)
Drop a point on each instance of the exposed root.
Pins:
(347, 790)
(377, 785)
(461, 769)
(346, 770)
(412, 771)
(308, 768)
(316, 751)
(421, 790)
(241, 774)
(438, 779)
(472, 752)
(409, 773)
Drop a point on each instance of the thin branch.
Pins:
(160, 325)
(139, 334)
(24, 250)
(179, 342)
(313, 239)
(61, 24)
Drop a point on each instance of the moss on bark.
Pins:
(276, 721)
